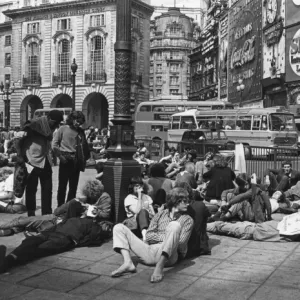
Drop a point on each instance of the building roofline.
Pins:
(46, 8)
(6, 25)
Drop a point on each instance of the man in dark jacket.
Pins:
(281, 179)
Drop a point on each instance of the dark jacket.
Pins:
(220, 179)
(279, 173)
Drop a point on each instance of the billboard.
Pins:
(245, 50)
(292, 12)
(292, 54)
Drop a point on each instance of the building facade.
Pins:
(171, 41)
(48, 35)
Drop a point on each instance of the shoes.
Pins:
(295, 205)
(6, 232)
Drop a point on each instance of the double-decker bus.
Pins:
(152, 117)
(260, 127)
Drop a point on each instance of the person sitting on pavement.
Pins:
(166, 238)
(138, 207)
(92, 193)
(74, 231)
(201, 167)
(220, 178)
(281, 179)
(9, 203)
(142, 160)
(188, 175)
(175, 166)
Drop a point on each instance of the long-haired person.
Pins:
(70, 145)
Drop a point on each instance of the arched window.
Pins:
(97, 58)
(33, 63)
(64, 60)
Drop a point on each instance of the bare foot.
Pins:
(158, 275)
(124, 269)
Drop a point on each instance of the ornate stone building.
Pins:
(47, 35)
(171, 41)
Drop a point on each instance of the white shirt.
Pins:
(132, 200)
(8, 186)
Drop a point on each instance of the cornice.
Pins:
(14, 13)
(80, 4)
(6, 26)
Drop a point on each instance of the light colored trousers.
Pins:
(243, 210)
(123, 238)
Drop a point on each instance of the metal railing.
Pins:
(58, 79)
(258, 159)
(95, 77)
(33, 80)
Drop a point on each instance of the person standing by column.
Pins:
(34, 148)
(70, 145)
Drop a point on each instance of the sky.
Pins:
(179, 3)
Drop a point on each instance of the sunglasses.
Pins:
(184, 201)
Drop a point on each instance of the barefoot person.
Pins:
(166, 237)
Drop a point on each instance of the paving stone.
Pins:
(58, 280)
(114, 259)
(211, 289)
(233, 242)
(275, 293)
(39, 294)
(169, 287)
(288, 277)
(20, 273)
(241, 271)
(292, 261)
(195, 267)
(101, 268)
(298, 248)
(223, 252)
(9, 291)
(91, 254)
(279, 246)
(96, 287)
(258, 256)
(63, 262)
(116, 294)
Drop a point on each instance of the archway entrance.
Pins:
(61, 100)
(95, 109)
(28, 106)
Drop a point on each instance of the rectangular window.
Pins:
(7, 59)
(64, 24)
(97, 20)
(159, 55)
(135, 22)
(8, 40)
(158, 80)
(33, 28)
(175, 54)
(174, 80)
(159, 68)
(174, 67)
(158, 92)
(7, 77)
(174, 91)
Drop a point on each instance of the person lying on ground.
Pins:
(166, 238)
(9, 203)
(72, 232)
(92, 193)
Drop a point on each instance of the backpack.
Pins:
(261, 205)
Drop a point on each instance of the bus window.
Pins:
(145, 108)
(256, 122)
(229, 122)
(264, 123)
(229, 106)
(187, 122)
(171, 109)
(180, 108)
(175, 123)
(156, 128)
(282, 122)
(244, 123)
(203, 122)
(158, 108)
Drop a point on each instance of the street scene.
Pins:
(149, 150)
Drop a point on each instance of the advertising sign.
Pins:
(293, 54)
(223, 56)
(245, 51)
(292, 12)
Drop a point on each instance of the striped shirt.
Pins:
(157, 229)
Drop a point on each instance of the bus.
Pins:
(258, 127)
(152, 117)
(45, 111)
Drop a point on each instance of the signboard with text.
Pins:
(292, 54)
(245, 50)
(223, 56)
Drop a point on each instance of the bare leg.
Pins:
(127, 267)
(158, 273)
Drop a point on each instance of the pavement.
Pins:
(236, 269)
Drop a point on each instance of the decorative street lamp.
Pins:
(74, 68)
(6, 91)
(121, 167)
(240, 88)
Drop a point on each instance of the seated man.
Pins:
(281, 179)
(188, 175)
(167, 238)
(71, 233)
(92, 193)
(9, 203)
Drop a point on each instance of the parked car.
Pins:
(206, 140)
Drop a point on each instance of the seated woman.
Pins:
(138, 207)
(9, 203)
(92, 193)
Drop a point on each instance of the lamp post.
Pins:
(240, 88)
(6, 91)
(74, 68)
(121, 167)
